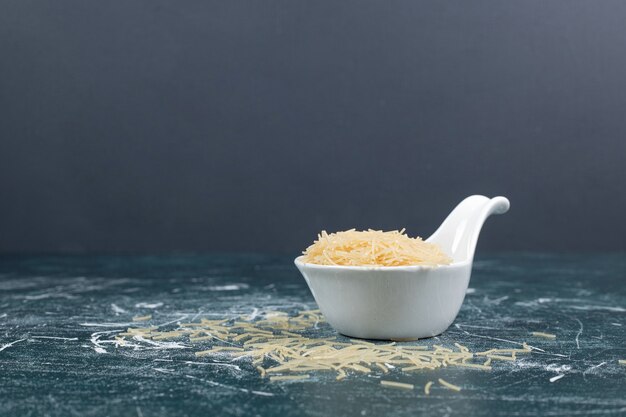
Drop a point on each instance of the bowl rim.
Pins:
(298, 261)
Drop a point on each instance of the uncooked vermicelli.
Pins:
(373, 248)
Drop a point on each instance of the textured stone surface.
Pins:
(56, 314)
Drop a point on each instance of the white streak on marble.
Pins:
(48, 295)
(8, 345)
(559, 369)
(160, 345)
(558, 355)
(97, 344)
(476, 327)
(228, 365)
(183, 317)
(502, 340)
(217, 384)
(164, 370)
(545, 300)
(229, 287)
(495, 301)
(592, 368)
(149, 305)
(580, 331)
(595, 307)
(54, 337)
(255, 313)
(130, 323)
(262, 393)
(146, 343)
(117, 309)
(556, 378)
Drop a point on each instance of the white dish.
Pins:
(404, 302)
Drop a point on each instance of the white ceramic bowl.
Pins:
(404, 302)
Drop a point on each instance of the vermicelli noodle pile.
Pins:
(284, 348)
(373, 248)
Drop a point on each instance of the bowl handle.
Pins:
(458, 234)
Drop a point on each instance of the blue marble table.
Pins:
(56, 314)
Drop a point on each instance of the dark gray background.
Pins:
(251, 125)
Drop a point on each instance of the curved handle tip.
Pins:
(500, 205)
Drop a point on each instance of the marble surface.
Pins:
(58, 315)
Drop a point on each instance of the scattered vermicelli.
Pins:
(276, 348)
